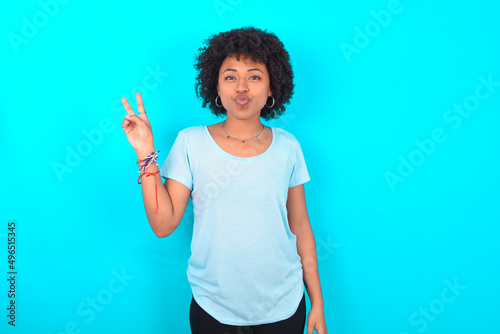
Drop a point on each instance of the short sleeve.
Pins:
(177, 166)
(300, 174)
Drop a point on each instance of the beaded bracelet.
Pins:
(156, 185)
(147, 161)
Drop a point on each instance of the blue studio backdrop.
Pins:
(396, 107)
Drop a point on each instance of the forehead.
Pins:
(232, 62)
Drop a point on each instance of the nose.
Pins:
(242, 86)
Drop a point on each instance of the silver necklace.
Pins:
(242, 140)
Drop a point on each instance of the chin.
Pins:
(243, 114)
(245, 117)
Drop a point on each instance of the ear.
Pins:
(270, 92)
(217, 89)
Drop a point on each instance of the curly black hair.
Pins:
(249, 42)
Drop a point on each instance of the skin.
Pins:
(300, 225)
(242, 78)
(236, 78)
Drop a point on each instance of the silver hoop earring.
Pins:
(220, 106)
(271, 104)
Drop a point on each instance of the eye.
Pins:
(229, 77)
(256, 77)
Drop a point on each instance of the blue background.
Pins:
(404, 190)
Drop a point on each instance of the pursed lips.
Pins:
(241, 99)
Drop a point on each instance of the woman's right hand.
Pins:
(137, 128)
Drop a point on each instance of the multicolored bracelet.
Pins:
(143, 165)
(147, 161)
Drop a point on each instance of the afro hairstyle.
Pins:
(249, 42)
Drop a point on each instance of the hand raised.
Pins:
(137, 127)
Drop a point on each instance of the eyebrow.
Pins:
(252, 69)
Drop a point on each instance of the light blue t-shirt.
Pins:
(244, 267)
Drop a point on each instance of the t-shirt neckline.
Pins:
(218, 148)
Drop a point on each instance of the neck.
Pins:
(242, 128)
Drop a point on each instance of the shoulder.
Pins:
(192, 131)
(191, 136)
(285, 137)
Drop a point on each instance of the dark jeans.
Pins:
(203, 323)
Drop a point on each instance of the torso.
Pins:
(235, 147)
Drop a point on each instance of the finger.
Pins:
(130, 119)
(127, 106)
(140, 105)
(134, 120)
(126, 123)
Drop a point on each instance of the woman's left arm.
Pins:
(300, 226)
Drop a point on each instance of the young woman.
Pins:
(253, 248)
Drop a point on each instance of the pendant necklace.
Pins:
(242, 140)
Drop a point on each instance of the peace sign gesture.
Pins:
(137, 128)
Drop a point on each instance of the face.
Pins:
(243, 87)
